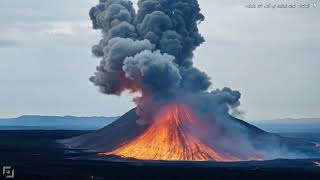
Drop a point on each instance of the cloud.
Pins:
(67, 28)
(59, 29)
(4, 43)
(44, 11)
(47, 34)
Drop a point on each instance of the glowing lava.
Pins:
(170, 137)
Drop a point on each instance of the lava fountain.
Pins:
(170, 137)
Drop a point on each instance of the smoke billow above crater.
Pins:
(150, 51)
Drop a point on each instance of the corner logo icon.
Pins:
(8, 172)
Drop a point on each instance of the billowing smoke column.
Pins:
(151, 52)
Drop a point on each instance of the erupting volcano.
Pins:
(170, 137)
(149, 52)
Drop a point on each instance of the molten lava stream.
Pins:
(168, 138)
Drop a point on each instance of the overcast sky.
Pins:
(271, 56)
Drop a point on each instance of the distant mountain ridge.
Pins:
(55, 122)
(292, 120)
(35, 122)
(290, 125)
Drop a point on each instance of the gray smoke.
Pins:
(151, 50)
(146, 66)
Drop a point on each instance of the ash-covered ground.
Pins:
(35, 155)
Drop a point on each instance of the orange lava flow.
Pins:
(169, 138)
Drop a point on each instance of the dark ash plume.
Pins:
(146, 66)
(151, 50)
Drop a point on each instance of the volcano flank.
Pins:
(168, 138)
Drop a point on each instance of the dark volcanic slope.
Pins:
(126, 128)
(109, 137)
